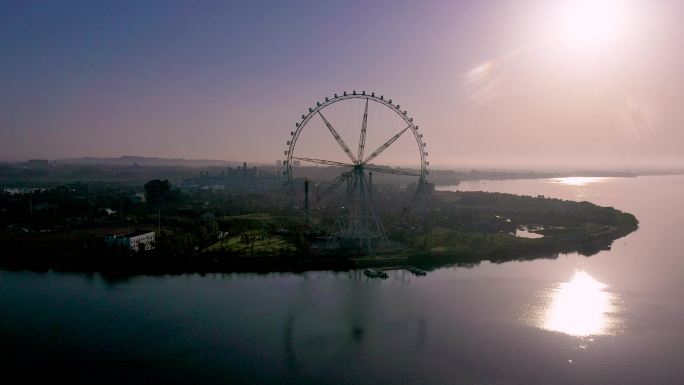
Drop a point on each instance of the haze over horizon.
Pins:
(531, 83)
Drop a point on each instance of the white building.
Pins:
(131, 242)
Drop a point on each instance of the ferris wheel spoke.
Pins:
(333, 185)
(338, 138)
(378, 223)
(362, 139)
(323, 161)
(385, 146)
(390, 171)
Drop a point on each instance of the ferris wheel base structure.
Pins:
(360, 227)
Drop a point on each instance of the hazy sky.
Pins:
(491, 83)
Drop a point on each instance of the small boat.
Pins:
(417, 271)
(372, 273)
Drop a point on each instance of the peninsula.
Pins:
(64, 227)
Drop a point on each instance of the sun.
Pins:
(589, 25)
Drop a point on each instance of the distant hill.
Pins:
(147, 161)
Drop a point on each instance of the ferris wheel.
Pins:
(389, 145)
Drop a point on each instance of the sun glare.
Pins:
(588, 25)
(580, 307)
(580, 180)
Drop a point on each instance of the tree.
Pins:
(157, 191)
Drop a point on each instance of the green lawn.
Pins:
(256, 243)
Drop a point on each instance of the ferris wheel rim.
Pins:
(396, 108)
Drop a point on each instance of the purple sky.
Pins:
(491, 83)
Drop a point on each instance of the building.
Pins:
(156, 191)
(38, 163)
(131, 242)
(241, 180)
(137, 198)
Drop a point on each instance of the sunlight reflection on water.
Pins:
(579, 307)
(582, 185)
(580, 180)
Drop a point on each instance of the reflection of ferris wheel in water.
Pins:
(322, 137)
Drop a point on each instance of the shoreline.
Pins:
(212, 263)
(462, 228)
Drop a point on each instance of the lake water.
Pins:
(613, 318)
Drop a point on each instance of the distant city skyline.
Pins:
(530, 83)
